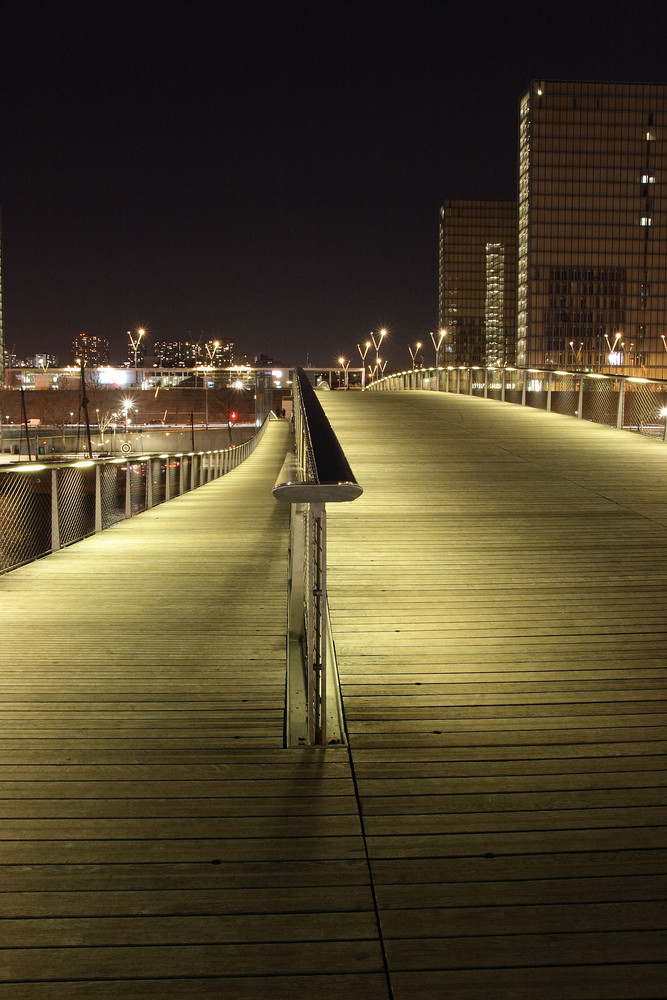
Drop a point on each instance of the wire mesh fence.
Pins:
(45, 507)
(76, 503)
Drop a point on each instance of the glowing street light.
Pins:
(127, 406)
(344, 365)
(212, 350)
(437, 341)
(134, 342)
(377, 340)
(364, 351)
(413, 354)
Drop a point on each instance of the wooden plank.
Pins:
(371, 986)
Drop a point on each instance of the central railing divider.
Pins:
(314, 474)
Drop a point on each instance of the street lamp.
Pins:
(212, 351)
(344, 365)
(134, 343)
(377, 340)
(413, 354)
(437, 341)
(363, 352)
(127, 406)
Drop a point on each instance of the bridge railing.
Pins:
(622, 401)
(316, 473)
(46, 506)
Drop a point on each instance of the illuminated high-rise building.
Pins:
(592, 239)
(477, 282)
(92, 350)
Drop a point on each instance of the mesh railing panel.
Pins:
(112, 485)
(158, 467)
(464, 381)
(495, 384)
(600, 401)
(642, 410)
(76, 503)
(174, 473)
(186, 472)
(478, 383)
(513, 386)
(25, 517)
(137, 487)
(565, 395)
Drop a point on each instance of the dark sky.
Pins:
(269, 173)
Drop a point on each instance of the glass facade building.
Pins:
(477, 282)
(592, 227)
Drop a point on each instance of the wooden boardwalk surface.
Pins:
(499, 606)
(156, 840)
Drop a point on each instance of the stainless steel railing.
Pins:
(314, 474)
(626, 402)
(46, 506)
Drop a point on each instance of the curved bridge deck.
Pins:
(499, 607)
(496, 828)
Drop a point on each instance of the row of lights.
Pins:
(377, 370)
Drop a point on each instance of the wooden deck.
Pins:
(156, 840)
(499, 605)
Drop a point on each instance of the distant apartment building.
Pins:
(92, 350)
(477, 282)
(592, 227)
(189, 353)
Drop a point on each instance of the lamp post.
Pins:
(377, 340)
(413, 354)
(437, 341)
(134, 343)
(344, 365)
(127, 406)
(363, 352)
(612, 347)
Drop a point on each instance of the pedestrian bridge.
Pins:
(494, 826)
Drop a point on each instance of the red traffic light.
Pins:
(232, 415)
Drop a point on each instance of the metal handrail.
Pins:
(314, 474)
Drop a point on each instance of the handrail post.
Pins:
(55, 520)
(149, 483)
(486, 383)
(620, 409)
(580, 403)
(128, 490)
(317, 472)
(316, 624)
(550, 378)
(98, 497)
(502, 385)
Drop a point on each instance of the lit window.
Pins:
(646, 220)
(649, 136)
(648, 178)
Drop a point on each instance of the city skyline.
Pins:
(276, 179)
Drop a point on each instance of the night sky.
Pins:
(268, 173)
